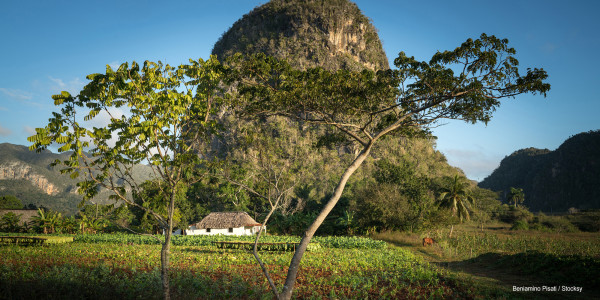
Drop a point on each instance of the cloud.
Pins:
(5, 131)
(103, 118)
(57, 81)
(16, 94)
(73, 86)
(476, 164)
(114, 65)
(29, 130)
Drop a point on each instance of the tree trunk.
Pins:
(164, 262)
(165, 251)
(451, 229)
(290, 280)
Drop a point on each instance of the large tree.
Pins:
(464, 84)
(458, 198)
(149, 112)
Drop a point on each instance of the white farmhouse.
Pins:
(226, 223)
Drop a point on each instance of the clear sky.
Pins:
(49, 46)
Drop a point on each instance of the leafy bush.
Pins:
(552, 223)
(586, 220)
(511, 214)
(9, 222)
(520, 225)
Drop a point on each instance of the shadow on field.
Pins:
(198, 250)
(68, 282)
(535, 269)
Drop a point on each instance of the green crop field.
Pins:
(109, 266)
(95, 268)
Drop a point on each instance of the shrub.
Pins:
(586, 220)
(559, 224)
(552, 223)
(511, 214)
(9, 222)
(520, 225)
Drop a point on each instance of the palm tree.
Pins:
(47, 220)
(458, 198)
(516, 195)
(41, 220)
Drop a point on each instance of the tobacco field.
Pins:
(112, 266)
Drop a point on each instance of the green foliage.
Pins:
(161, 107)
(152, 197)
(472, 244)
(47, 221)
(552, 223)
(512, 214)
(9, 222)
(457, 197)
(516, 196)
(341, 242)
(10, 202)
(520, 225)
(364, 108)
(77, 270)
(586, 220)
(44, 179)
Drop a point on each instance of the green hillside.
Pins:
(333, 35)
(29, 176)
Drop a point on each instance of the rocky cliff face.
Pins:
(29, 176)
(17, 170)
(332, 34)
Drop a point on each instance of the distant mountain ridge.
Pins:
(29, 176)
(553, 181)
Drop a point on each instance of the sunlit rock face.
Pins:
(330, 34)
(16, 170)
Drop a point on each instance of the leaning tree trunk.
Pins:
(290, 280)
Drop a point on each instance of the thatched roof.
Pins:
(219, 220)
(26, 214)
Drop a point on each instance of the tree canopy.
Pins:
(144, 114)
(466, 83)
(10, 202)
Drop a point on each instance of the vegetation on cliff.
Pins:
(330, 34)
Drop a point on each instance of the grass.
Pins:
(499, 258)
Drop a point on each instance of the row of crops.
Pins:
(343, 242)
(120, 271)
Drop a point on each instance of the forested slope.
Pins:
(553, 181)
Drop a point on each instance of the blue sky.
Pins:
(50, 46)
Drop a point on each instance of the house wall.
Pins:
(224, 231)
